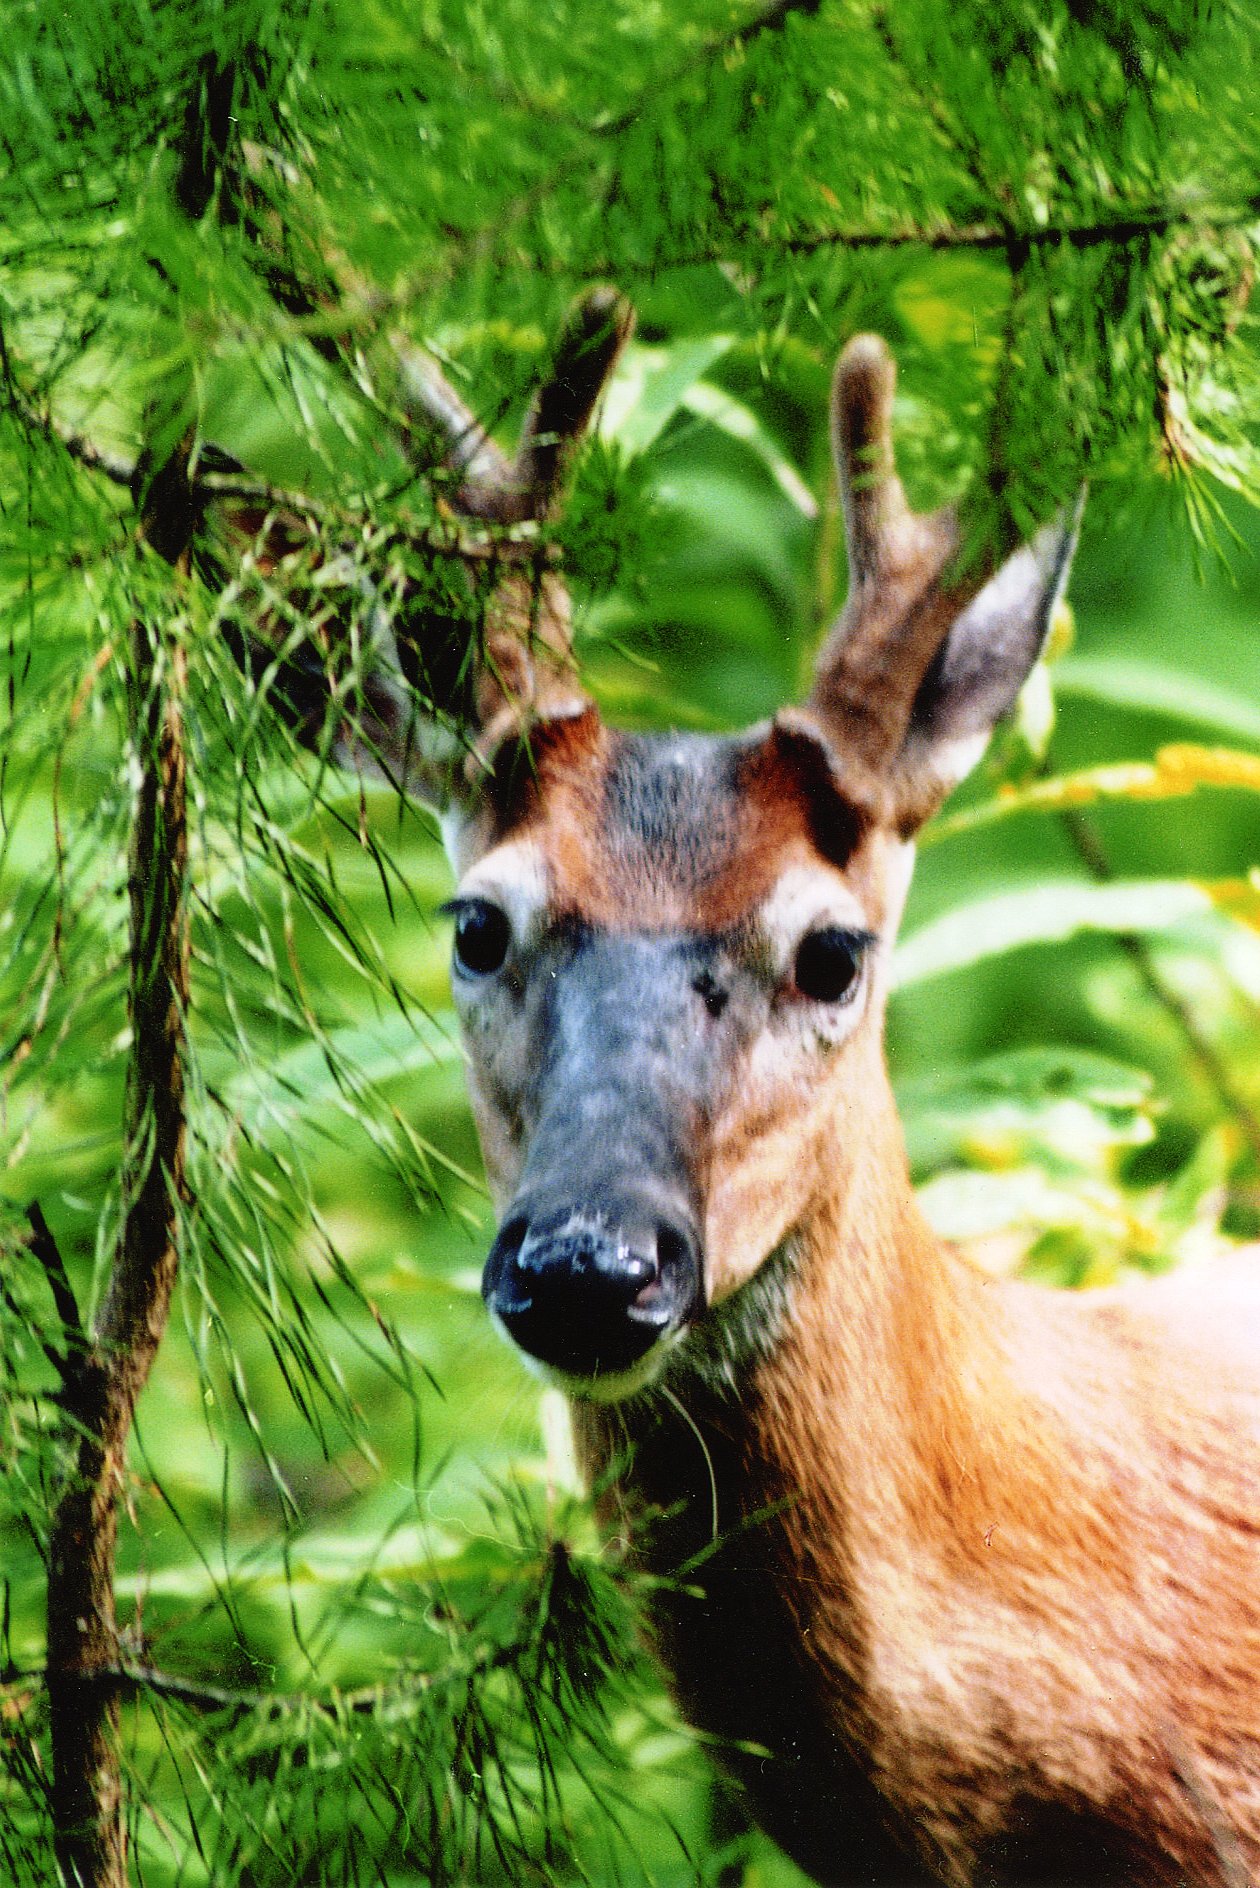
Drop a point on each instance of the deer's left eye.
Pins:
(828, 963)
(482, 936)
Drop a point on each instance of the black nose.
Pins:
(589, 1290)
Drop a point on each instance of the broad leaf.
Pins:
(1066, 1107)
(1148, 686)
(651, 386)
(1044, 914)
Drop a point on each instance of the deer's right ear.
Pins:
(430, 698)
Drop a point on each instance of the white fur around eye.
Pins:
(514, 877)
(901, 857)
(806, 898)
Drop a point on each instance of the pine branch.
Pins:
(771, 19)
(1133, 223)
(102, 1383)
(362, 1701)
(491, 544)
(129, 1677)
(956, 138)
(80, 448)
(461, 254)
(496, 544)
(1127, 225)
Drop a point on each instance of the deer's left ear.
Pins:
(984, 660)
(923, 660)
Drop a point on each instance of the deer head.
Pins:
(671, 951)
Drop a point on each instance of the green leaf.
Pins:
(1063, 1105)
(1238, 898)
(1149, 686)
(652, 385)
(1043, 914)
(969, 1205)
(731, 416)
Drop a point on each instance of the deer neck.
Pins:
(858, 1407)
(889, 1360)
(771, 1505)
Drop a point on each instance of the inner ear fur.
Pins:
(987, 653)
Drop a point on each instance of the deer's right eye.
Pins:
(482, 936)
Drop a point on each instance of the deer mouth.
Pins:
(594, 1296)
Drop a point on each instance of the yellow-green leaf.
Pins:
(1239, 898)
(1178, 769)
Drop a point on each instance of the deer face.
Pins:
(671, 952)
(669, 962)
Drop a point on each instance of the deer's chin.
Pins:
(605, 1386)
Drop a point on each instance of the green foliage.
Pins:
(370, 1632)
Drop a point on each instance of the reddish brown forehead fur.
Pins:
(666, 831)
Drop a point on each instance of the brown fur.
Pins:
(980, 1603)
(781, 803)
(1013, 1540)
(988, 1580)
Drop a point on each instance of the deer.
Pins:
(959, 1574)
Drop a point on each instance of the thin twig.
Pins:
(488, 545)
(78, 445)
(129, 1677)
(47, 1251)
(1119, 228)
(492, 544)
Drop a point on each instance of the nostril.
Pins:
(641, 1270)
(590, 1290)
(673, 1280)
(715, 998)
(512, 1237)
(650, 1280)
(673, 1247)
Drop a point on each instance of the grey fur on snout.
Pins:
(598, 1268)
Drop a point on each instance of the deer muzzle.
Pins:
(598, 1262)
(588, 1289)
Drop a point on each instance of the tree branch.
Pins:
(103, 1380)
(492, 543)
(82, 449)
(1138, 221)
(1126, 226)
(131, 1678)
